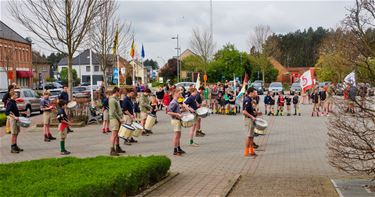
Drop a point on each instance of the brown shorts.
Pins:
(127, 119)
(176, 125)
(114, 124)
(14, 128)
(47, 117)
(249, 126)
(105, 115)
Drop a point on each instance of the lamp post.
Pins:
(178, 57)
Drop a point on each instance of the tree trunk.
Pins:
(70, 76)
(105, 76)
(263, 75)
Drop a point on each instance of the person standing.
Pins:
(199, 100)
(63, 126)
(175, 112)
(115, 116)
(105, 108)
(145, 107)
(250, 114)
(13, 116)
(192, 106)
(322, 104)
(160, 95)
(296, 104)
(213, 102)
(5, 100)
(288, 100)
(128, 111)
(46, 107)
(267, 100)
(280, 104)
(65, 97)
(315, 100)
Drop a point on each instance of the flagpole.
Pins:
(118, 71)
(91, 80)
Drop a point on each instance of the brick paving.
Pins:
(294, 148)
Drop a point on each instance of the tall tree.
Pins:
(62, 25)
(202, 44)
(151, 63)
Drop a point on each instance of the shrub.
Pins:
(3, 119)
(69, 176)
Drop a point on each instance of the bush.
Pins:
(3, 119)
(69, 176)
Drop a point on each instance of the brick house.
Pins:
(41, 69)
(288, 75)
(15, 58)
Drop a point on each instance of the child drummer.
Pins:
(13, 116)
(63, 126)
(175, 112)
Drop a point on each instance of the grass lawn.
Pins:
(69, 176)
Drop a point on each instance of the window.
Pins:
(87, 68)
(96, 68)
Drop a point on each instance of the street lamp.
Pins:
(178, 57)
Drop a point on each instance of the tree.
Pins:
(202, 44)
(62, 25)
(64, 76)
(261, 64)
(193, 63)
(151, 63)
(55, 58)
(351, 135)
(169, 71)
(103, 34)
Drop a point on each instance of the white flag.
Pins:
(198, 84)
(350, 78)
(307, 80)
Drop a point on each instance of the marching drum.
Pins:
(138, 129)
(126, 131)
(187, 120)
(150, 122)
(72, 105)
(261, 124)
(202, 112)
(24, 122)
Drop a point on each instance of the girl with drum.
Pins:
(13, 116)
(175, 112)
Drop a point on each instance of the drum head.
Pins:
(187, 117)
(137, 125)
(261, 122)
(128, 126)
(71, 104)
(202, 111)
(25, 120)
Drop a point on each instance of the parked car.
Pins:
(186, 85)
(55, 93)
(276, 87)
(85, 84)
(295, 88)
(322, 84)
(30, 104)
(52, 85)
(259, 88)
(259, 81)
(2, 93)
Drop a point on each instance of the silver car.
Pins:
(276, 87)
(295, 88)
(186, 85)
(30, 104)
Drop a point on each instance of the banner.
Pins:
(307, 80)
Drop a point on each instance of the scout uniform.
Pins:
(11, 108)
(63, 129)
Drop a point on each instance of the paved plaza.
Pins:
(291, 158)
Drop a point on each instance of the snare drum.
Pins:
(261, 124)
(24, 122)
(150, 121)
(126, 131)
(72, 105)
(138, 129)
(202, 112)
(187, 120)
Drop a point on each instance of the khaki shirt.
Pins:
(144, 103)
(114, 108)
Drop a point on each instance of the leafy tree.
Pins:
(261, 64)
(169, 71)
(64, 76)
(193, 63)
(54, 58)
(151, 63)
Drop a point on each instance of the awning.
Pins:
(24, 74)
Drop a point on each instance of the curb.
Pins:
(228, 189)
(169, 177)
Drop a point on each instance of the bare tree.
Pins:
(62, 25)
(103, 33)
(352, 135)
(202, 44)
(257, 41)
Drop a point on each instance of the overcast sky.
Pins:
(155, 22)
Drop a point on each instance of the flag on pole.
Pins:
(143, 52)
(132, 51)
(350, 78)
(198, 84)
(115, 43)
(307, 80)
(243, 89)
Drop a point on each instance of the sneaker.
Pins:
(13, 150)
(199, 134)
(132, 140)
(51, 137)
(65, 152)
(149, 132)
(255, 146)
(70, 131)
(113, 152)
(144, 133)
(119, 150)
(181, 151)
(194, 144)
(46, 139)
(177, 153)
(253, 155)
(19, 149)
(126, 142)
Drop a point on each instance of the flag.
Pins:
(350, 78)
(307, 80)
(143, 52)
(132, 51)
(243, 89)
(115, 43)
(198, 84)
(234, 83)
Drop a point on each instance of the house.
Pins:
(41, 69)
(187, 75)
(15, 58)
(287, 75)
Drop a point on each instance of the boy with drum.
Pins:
(46, 107)
(128, 111)
(192, 106)
(250, 116)
(63, 126)
(115, 117)
(13, 116)
(198, 98)
(175, 112)
(145, 107)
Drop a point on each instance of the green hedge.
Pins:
(3, 119)
(69, 176)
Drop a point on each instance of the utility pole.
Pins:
(178, 57)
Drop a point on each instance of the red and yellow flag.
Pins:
(132, 50)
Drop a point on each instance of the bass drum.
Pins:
(126, 131)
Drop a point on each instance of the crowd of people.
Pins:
(121, 106)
